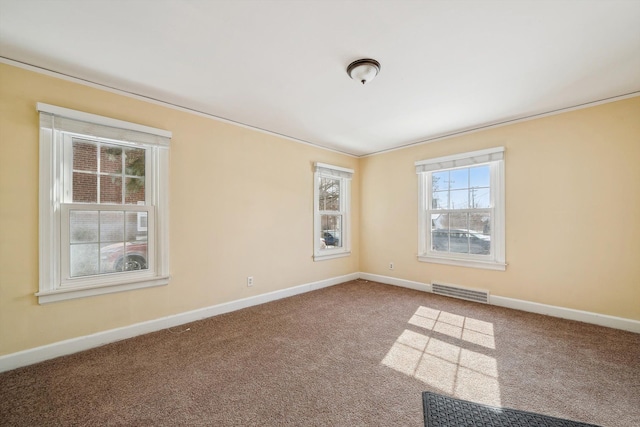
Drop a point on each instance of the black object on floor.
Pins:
(444, 411)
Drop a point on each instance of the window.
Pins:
(332, 200)
(461, 209)
(103, 205)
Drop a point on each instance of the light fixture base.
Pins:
(363, 70)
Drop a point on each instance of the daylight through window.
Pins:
(462, 209)
(103, 205)
(331, 211)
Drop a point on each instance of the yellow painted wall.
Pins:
(241, 204)
(572, 211)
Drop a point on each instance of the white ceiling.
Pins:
(280, 65)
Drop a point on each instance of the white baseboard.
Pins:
(74, 345)
(396, 282)
(532, 307)
(61, 348)
(568, 313)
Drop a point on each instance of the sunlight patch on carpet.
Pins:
(464, 369)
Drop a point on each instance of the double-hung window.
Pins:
(332, 200)
(461, 209)
(103, 205)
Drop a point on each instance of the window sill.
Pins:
(323, 257)
(488, 265)
(89, 291)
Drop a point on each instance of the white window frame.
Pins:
(494, 157)
(323, 170)
(57, 126)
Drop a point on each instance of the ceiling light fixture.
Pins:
(363, 70)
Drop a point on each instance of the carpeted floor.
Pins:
(355, 354)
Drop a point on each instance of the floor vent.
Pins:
(476, 295)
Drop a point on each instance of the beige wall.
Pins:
(572, 211)
(241, 204)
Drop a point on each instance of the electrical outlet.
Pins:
(250, 281)
(390, 266)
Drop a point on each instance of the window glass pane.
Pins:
(480, 223)
(83, 259)
(111, 189)
(122, 242)
(440, 221)
(85, 155)
(480, 197)
(440, 200)
(458, 179)
(134, 161)
(85, 188)
(480, 233)
(480, 176)
(85, 168)
(440, 232)
(459, 199)
(468, 233)
(440, 181)
(136, 243)
(135, 256)
(111, 226)
(134, 191)
(458, 241)
(111, 257)
(110, 158)
(111, 173)
(459, 221)
(330, 231)
(132, 231)
(83, 226)
(459, 233)
(479, 243)
(142, 222)
(127, 255)
(329, 194)
(480, 192)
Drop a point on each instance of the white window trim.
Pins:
(492, 156)
(345, 175)
(53, 119)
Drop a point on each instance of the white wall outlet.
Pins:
(390, 266)
(250, 281)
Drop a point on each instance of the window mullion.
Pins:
(98, 173)
(65, 166)
(123, 174)
(429, 188)
(469, 194)
(151, 176)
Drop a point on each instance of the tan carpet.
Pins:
(359, 353)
